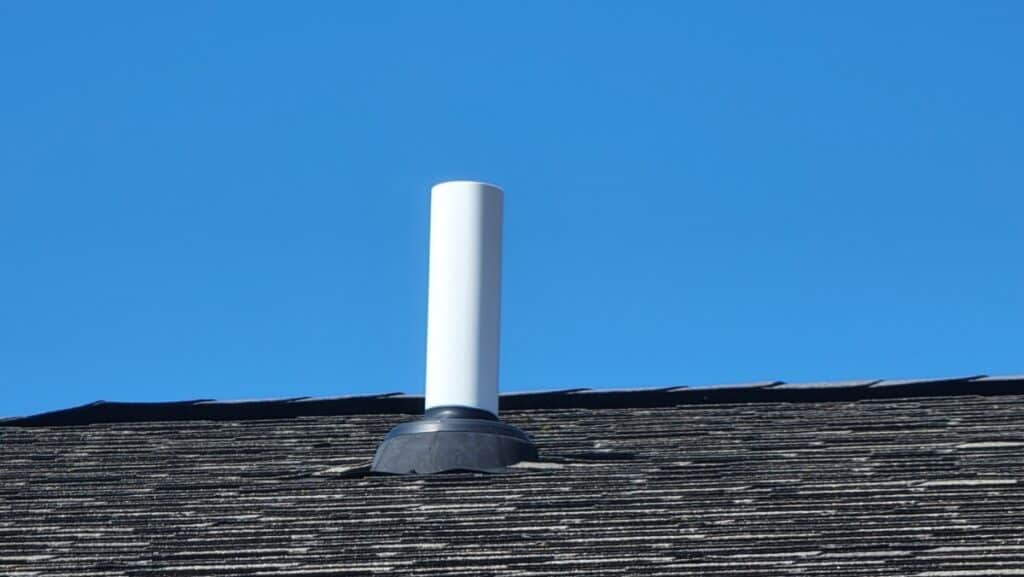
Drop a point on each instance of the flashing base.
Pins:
(452, 439)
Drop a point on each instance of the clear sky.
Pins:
(230, 200)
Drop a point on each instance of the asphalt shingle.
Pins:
(920, 485)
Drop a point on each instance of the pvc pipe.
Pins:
(464, 295)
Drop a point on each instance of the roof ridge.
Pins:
(398, 403)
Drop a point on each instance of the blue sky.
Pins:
(227, 200)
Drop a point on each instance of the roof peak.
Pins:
(398, 403)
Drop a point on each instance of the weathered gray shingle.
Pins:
(875, 486)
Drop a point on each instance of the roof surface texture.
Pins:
(868, 478)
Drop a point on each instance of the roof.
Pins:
(866, 478)
(578, 398)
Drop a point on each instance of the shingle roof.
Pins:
(876, 478)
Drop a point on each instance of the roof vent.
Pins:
(460, 429)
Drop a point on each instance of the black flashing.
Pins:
(392, 403)
(452, 438)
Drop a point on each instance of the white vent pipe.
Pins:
(464, 295)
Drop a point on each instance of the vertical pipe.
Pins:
(464, 295)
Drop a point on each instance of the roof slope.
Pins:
(929, 486)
